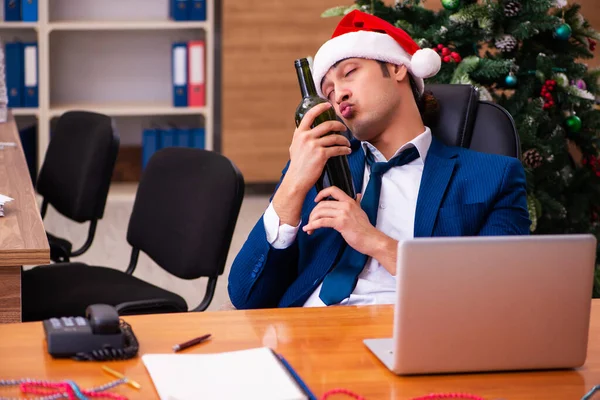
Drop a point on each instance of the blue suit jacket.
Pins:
(462, 193)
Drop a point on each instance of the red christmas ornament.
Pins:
(447, 54)
(594, 163)
(592, 44)
(546, 94)
(455, 56)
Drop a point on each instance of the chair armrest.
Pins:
(152, 306)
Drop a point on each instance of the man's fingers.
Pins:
(319, 223)
(327, 211)
(311, 114)
(326, 127)
(337, 151)
(329, 205)
(334, 192)
(333, 140)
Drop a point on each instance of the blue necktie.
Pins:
(340, 282)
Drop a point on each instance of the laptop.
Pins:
(490, 303)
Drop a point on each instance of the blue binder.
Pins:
(178, 9)
(13, 53)
(179, 72)
(198, 10)
(150, 145)
(30, 78)
(12, 10)
(198, 138)
(183, 137)
(29, 10)
(167, 137)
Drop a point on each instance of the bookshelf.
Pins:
(114, 57)
(21, 111)
(128, 109)
(125, 25)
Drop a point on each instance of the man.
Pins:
(308, 251)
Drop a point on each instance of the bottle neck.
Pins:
(305, 79)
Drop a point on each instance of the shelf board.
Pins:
(17, 25)
(128, 109)
(24, 111)
(125, 25)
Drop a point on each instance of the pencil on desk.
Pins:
(121, 376)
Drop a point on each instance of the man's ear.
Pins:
(400, 72)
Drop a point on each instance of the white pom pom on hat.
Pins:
(363, 35)
(425, 63)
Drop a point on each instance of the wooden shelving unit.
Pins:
(114, 57)
(18, 25)
(126, 25)
(19, 112)
(128, 109)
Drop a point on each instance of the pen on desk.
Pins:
(121, 376)
(190, 343)
(296, 377)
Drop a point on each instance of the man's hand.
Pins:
(310, 148)
(309, 151)
(347, 217)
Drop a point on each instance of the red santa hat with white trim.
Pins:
(363, 35)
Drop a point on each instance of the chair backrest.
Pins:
(185, 211)
(78, 165)
(468, 122)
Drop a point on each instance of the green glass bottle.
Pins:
(336, 171)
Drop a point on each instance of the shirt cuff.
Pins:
(278, 236)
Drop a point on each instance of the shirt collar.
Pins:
(421, 142)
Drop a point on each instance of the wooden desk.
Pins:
(323, 345)
(22, 237)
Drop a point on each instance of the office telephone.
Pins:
(101, 335)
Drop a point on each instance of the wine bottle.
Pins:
(336, 171)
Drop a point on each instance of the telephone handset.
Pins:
(101, 335)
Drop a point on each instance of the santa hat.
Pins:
(363, 35)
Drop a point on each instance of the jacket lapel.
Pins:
(438, 169)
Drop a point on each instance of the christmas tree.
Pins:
(528, 56)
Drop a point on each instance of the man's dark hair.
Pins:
(384, 70)
(426, 103)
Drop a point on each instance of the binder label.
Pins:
(179, 76)
(197, 63)
(30, 66)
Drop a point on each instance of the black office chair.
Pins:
(468, 122)
(183, 217)
(76, 173)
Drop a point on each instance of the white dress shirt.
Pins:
(395, 218)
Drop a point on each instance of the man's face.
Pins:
(365, 94)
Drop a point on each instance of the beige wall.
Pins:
(261, 39)
(590, 9)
